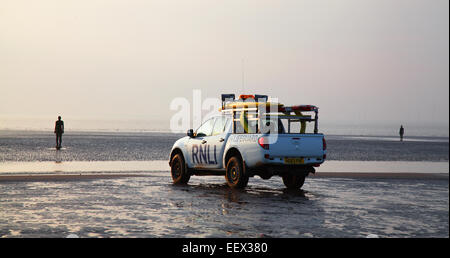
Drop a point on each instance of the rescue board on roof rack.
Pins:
(246, 101)
(259, 101)
(234, 105)
(250, 137)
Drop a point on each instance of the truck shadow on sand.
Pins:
(244, 195)
(255, 211)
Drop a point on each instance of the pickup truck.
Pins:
(243, 142)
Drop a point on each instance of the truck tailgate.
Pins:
(296, 145)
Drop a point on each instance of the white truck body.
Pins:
(209, 152)
(216, 148)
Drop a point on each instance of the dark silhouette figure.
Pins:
(59, 130)
(401, 132)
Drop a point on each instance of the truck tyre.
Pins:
(178, 170)
(293, 181)
(235, 174)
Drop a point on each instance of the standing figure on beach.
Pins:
(401, 132)
(59, 130)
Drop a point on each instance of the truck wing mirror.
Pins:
(190, 133)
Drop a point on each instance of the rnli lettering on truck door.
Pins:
(201, 154)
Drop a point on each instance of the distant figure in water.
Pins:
(401, 132)
(59, 130)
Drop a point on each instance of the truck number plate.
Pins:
(294, 161)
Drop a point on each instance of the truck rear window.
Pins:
(273, 126)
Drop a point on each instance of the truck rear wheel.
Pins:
(293, 181)
(235, 174)
(178, 170)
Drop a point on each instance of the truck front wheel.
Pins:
(235, 174)
(178, 169)
(293, 181)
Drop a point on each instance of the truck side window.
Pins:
(206, 128)
(227, 123)
(245, 123)
(219, 126)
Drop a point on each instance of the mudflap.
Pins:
(312, 170)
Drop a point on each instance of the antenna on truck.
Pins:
(243, 77)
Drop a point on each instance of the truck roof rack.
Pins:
(259, 106)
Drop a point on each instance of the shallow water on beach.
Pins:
(206, 207)
(150, 206)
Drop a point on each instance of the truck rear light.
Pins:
(263, 143)
(324, 156)
(324, 144)
(266, 156)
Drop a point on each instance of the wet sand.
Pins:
(88, 176)
(382, 175)
(138, 199)
(64, 177)
(119, 185)
(78, 170)
(98, 146)
(151, 206)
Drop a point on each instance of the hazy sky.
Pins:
(361, 60)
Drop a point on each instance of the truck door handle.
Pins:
(221, 139)
(204, 141)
